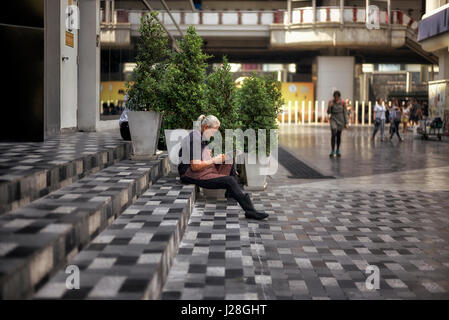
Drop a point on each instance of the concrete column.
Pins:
(335, 73)
(314, 11)
(443, 64)
(408, 82)
(342, 4)
(89, 65)
(52, 73)
(284, 72)
(432, 5)
(424, 73)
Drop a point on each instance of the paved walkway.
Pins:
(388, 207)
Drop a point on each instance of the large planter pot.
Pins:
(256, 180)
(173, 138)
(144, 127)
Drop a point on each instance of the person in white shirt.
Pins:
(379, 118)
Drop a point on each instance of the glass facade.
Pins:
(118, 57)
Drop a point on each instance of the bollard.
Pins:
(316, 111)
(296, 111)
(369, 113)
(357, 112)
(322, 112)
(289, 112)
(363, 113)
(310, 112)
(302, 115)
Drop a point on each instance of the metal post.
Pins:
(172, 18)
(310, 112)
(341, 11)
(388, 13)
(316, 111)
(322, 112)
(289, 112)
(357, 112)
(107, 12)
(302, 115)
(369, 113)
(366, 11)
(363, 113)
(174, 43)
(314, 11)
(296, 111)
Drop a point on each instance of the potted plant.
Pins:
(259, 101)
(221, 100)
(145, 92)
(184, 91)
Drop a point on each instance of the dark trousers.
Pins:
(395, 125)
(229, 183)
(336, 135)
(124, 131)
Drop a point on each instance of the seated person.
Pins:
(213, 173)
(124, 126)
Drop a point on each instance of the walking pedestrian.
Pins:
(379, 116)
(338, 121)
(395, 119)
(405, 118)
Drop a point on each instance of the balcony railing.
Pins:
(299, 16)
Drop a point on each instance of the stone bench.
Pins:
(131, 258)
(29, 171)
(39, 238)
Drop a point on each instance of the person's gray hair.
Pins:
(210, 120)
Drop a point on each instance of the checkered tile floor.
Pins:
(316, 245)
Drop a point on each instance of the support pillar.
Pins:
(89, 65)
(335, 73)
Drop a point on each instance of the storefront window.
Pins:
(118, 40)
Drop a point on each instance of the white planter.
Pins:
(144, 127)
(255, 180)
(173, 139)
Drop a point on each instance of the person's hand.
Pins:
(221, 158)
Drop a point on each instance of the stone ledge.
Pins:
(42, 236)
(132, 257)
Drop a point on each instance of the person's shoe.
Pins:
(338, 154)
(331, 154)
(401, 139)
(382, 139)
(256, 215)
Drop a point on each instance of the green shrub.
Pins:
(152, 59)
(184, 84)
(221, 98)
(259, 100)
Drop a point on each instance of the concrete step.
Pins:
(131, 258)
(41, 237)
(29, 171)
